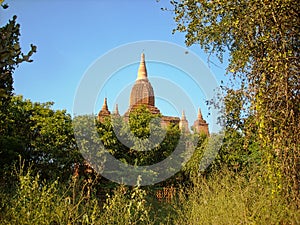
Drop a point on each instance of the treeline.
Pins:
(44, 139)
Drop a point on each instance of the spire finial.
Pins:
(142, 72)
(143, 56)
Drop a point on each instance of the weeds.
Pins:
(223, 198)
(230, 198)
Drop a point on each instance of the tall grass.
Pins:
(223, 198)
(36, 202)
(230, 198)
(126, 207)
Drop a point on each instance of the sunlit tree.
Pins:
(262, 40)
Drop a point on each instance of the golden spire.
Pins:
(200, 117)
(142, 72)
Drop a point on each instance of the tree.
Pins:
(262, 39)
(41, 136)
(140, 122)
(33, 131)
(10, 56)
(139, 140)
(12, 135)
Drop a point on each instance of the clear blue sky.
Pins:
(71, 35)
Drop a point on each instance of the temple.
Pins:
(142, 94)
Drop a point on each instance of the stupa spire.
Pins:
(116, 112)
(142, 72)
(104, 106)
(200, 117)
(183, 123)
(183, 115)
(200, 125)
(104, 112)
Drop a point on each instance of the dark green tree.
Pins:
(11, 56)
(41, 136)
(11, 141)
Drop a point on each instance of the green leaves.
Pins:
(40, 135)
(263, 42)
(139, 121)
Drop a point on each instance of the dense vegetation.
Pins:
(262, 39)
(254, 179)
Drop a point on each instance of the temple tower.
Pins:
(184, 124)
(104, 112)
(116, 111)
(200, 125)
(142, 91)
